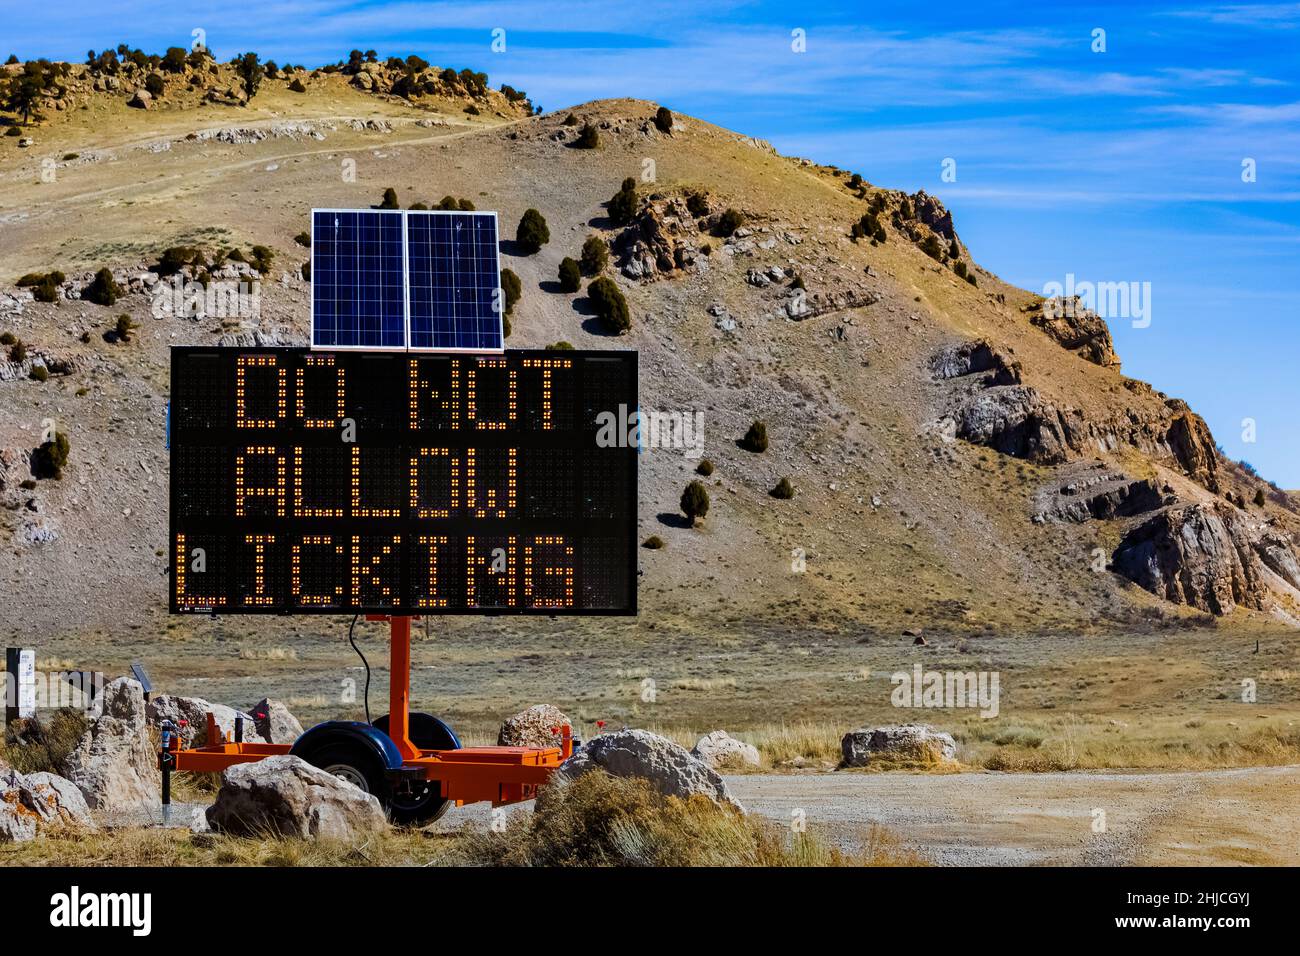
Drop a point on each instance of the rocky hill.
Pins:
(963, 454)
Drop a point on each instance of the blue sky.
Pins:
(1116, 166)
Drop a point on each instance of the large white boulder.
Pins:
(720, 749)
(534, 727)
(115, 766)
(668, 766)
(913, 741)
(286, 796)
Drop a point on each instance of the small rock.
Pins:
(907, 740)
(720, 749)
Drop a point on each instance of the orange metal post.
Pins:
(399, 687)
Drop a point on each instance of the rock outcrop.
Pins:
(997, 366)
(720, 749)
(286, 796)
(534, 727)
(1212, 557)
(1191, 443)
(908, 741)
(668, 767)
(1017, 421)
(661, 240)
(1078, 330)
(114, 765)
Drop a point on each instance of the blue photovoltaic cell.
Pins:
(452, 267)
(358, 293)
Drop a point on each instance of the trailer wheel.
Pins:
(424, 804)
(354, 762)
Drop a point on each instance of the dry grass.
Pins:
(600, 820)
(597, 820)
(43, 744)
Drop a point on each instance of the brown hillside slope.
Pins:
(958, 460)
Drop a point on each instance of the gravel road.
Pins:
(1213, 817)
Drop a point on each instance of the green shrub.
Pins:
(7, 338)
(610, 305)
(560, 346)
(103, 289)
(123, 328)
(654, 542)
(588, 138)
(623, 206)
(970, 277)
(262, 259)
(595, 256)
(1260, 498)
(730, 221)
(697, 203)
(783, 490)
(797, 283)
(755, 439)
(705, 467)
(154, 84)
(511, 288)
(570, 275)
(303, 239)
(52, 457)
(570, 120)
(695, 501)
(959, 268)
(390, 199)
(932, 247)
(39, 372)
(13, 131)
(35, 280)
(532, 232)
(664, 119)
(175, 258)
(306, 271)
(18, 351)
(418, 206)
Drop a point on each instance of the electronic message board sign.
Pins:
(314, 482)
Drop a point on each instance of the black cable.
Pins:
(365, 663)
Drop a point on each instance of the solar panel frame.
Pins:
(316, 274)
(496, 332)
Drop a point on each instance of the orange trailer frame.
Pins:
(499, 775)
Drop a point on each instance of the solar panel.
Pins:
(396, 279)
(454, 278)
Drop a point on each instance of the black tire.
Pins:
(426, 804)
(354, 762)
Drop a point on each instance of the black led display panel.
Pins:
(402, 483)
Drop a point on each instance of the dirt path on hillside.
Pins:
(1211, 818)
